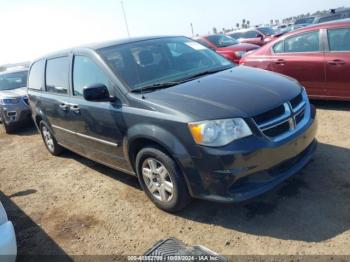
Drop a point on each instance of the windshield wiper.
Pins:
(204, 73)
(156, 86)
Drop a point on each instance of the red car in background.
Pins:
(226, 46)
(257, 36)
(317, 56)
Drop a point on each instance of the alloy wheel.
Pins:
(48, 139)
(157, 180)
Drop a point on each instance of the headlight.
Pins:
(219, 132)
(240, 53)
(10, 101)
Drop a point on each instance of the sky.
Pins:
(32, 28)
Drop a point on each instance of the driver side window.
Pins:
(86, 73)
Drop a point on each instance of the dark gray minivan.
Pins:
(182, 118)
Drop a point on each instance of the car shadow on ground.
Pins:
(312, 206)
(122, 177)
(33, 242)
(331, 105)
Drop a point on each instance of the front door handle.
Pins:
(336, 62)
(280, 62)
(64, 106)
(75, 108)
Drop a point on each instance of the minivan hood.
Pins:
(13, 93)
(237, 92)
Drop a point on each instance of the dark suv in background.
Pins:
(14, 106)
(185, 120)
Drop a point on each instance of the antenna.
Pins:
(125, 20)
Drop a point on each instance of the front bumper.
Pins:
(8, 246)
(250, 166)
(15, 113)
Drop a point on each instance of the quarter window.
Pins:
(57, 75)
(86, 73)
(339, 39)
(36, 75)
(278, 47)
(307, 42)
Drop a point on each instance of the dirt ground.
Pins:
(71, 205)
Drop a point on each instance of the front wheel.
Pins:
(161, 179)
(49, 140)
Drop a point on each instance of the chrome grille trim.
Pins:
(290, 115)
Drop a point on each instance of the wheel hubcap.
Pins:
(48, 139)
(157, 180)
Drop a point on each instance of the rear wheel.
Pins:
(161, 179)
(49, 140)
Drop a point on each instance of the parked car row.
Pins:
(226, 46)
(257, 36)
(317, 56)
(335, 14)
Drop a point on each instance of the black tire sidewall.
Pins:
(57, 148)
(180, 193)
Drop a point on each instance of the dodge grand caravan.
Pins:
(184, 120)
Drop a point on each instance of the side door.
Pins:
(55, 98)
(338, 63)
(301, 56)
(99, 126)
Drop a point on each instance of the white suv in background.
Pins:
(8, 245)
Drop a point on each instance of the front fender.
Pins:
(167, 140)
(158, 135)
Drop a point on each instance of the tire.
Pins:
(161, 179)
(49, 140)
(9, 129)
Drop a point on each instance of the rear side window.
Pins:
(339, 39)
(36, 75)
(307, 42)
(57, 75)
(86, 73)
(250, 34)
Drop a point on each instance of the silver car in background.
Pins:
(14, 107)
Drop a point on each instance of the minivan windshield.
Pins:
(9, 81)
(222, 40)
(161, 62)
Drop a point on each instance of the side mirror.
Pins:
(96, 93)
(261, 36)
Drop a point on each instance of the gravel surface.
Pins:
(71, 205)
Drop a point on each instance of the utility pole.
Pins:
(126, 21)
(192, 29)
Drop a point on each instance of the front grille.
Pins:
(296, 101)
(276, 112)
(277, 130)
(283, 119)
